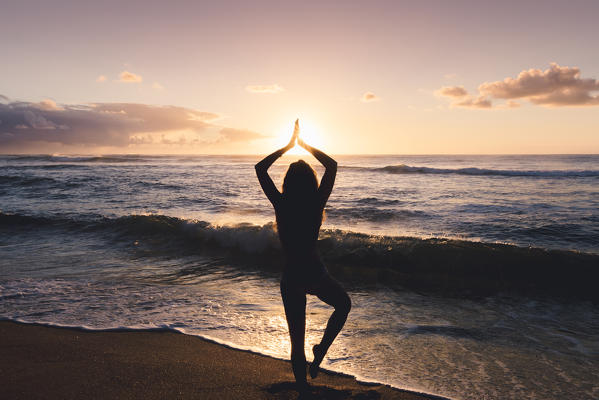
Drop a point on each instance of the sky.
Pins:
(230, 77)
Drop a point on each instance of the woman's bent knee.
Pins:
(345, 305)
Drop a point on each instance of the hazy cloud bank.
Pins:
(23, 124)
(556, 86)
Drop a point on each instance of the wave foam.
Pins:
(446, 265)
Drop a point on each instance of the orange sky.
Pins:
(383, 77)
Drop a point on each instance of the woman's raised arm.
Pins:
(328, 179)
(268, 186)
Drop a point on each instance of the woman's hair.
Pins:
(300, 181)
(301, 185)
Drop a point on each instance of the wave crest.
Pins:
(474, 171)
(440, 265)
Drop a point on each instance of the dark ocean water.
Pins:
(471, 276)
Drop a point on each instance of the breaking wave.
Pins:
(436, 264)
(406, 169)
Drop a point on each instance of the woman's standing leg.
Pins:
(294, 300)
(332, 293)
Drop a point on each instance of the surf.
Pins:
(439, 265)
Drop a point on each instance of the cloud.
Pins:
(460, 97)
(49, 104)
(157, 86)
(473, 102)
(369, 97)
(556, 86)
(101, 78)
(23, 124)
(451, 91)
(129, 77)
(272, 89)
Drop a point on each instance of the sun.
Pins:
(309, 133)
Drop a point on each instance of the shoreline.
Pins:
(41, 361)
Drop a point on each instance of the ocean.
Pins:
(471, 277)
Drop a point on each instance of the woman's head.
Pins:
(300, 188)
(300, 181)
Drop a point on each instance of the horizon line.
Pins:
(286, 155)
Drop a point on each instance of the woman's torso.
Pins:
(298, 226)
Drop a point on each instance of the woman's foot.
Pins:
(318, 356)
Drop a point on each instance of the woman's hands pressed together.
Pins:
(294, 137)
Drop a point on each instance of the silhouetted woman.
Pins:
(299, 210)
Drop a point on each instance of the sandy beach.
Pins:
(57, 363)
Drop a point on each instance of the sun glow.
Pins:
(309, 133)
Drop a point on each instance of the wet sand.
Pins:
(57, 363)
